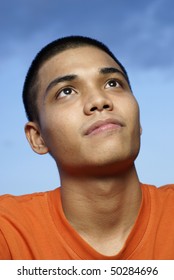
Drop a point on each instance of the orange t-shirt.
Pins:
(34, 227)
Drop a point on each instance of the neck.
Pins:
(108, 205)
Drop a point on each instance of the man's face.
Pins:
(89, 119)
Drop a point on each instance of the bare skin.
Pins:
(89, 123)
(103, 212)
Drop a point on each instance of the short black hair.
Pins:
(31, 84)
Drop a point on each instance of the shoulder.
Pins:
(24, 211)
(161, 190)
(23, 204)
(167, 188)
(8, 199)
(162, 196)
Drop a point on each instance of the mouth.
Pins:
(103, 126)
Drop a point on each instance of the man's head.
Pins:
(31, 85)
(88, 118)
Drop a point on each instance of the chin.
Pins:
(112, 160)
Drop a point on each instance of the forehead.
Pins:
(77, 58)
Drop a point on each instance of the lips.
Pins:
(103, 125)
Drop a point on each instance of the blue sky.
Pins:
(141, 35)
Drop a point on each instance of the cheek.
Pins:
(132, 116)
(130, 110)
(134, 110)
(58, 134)
(137, 118)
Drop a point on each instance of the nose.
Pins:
(98, 102)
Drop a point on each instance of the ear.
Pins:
(35, 139)
(141, 130)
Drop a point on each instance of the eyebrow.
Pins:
(58, 80)
(71, 77)
(108, 70)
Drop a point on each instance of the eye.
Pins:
(112, 83)
(65, 92)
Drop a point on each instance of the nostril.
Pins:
(93, 109)
(105, 106)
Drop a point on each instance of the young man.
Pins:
(82, 111)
